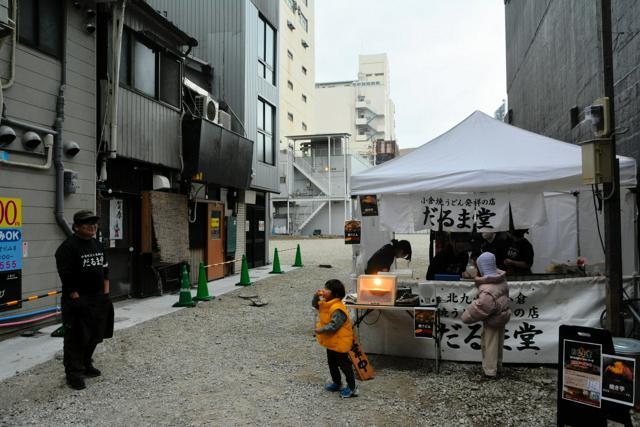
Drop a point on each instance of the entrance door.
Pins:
(215, 240)
(118, 233)
(256, 226)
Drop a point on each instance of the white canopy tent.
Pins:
(484, 155)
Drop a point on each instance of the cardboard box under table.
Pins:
(376, 298)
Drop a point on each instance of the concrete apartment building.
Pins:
(362, 108)
(554, 63)
(297, 68)
(239, 39)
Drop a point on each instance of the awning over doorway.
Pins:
(221, 156)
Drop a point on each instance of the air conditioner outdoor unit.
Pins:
(207, 108)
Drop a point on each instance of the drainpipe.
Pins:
(116, 34)
(14, 37)
(58, 140)
(12, 66)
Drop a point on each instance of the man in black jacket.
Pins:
(83, 270)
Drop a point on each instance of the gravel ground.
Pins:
(228, 363)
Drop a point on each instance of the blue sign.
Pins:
(10, 249)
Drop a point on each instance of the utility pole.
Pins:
(611, 190)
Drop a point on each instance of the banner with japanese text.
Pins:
(531, 336)
(539, 308)
(458, 212)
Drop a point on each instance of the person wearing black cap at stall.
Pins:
(87, 312)
(384, 257)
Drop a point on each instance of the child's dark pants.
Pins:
(340, 361)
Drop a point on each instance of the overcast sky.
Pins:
(446, 57)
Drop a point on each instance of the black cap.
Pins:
(85, 217)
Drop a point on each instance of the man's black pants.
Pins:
(83, 323)
(340, 361)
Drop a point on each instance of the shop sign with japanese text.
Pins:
(538, 307)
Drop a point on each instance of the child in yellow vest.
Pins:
(334, 331)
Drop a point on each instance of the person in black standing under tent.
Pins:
(384, 257)
(497, 244)
(87, 312)
(452, 260)
(519, 256)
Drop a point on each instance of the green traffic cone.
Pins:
(298, 261)
(244, 273)
(276, 263)
(58, 333)
(185, 291)
(203, 289)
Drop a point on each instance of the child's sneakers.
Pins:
(347, 392)
(332, 387)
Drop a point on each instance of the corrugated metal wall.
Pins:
(148, 130)
(219, 28)
(32, 98)
(227, 33)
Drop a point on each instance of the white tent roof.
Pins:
(482, 154)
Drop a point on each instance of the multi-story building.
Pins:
(547, 75)
(315, 185)
(297, 68)
(362, 108)
(239, 38)
(47, 141)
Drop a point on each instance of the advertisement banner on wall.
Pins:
(11, 250)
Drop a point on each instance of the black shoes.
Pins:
(91, 372)
(76, 383)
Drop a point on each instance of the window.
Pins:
(289, 54)
(40, 25)
(290, 117)
(289, 84)
(266, 51)
(304, 98)
(170, 80)
(266, 125)
(155, 73)
(304, 22)
(144, 71)
(304, 126)
(304, 70)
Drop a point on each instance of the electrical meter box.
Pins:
(71, 183)
(596, 161)
(376, 289)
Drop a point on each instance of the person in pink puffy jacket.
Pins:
(492, 308)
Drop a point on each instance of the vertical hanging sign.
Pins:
(10, 251)
(115, 219)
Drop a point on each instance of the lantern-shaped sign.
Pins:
(377, 289)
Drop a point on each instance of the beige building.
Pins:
(297, 68)
(362, 108)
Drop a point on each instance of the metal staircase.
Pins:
(311, 216)
(316, 178)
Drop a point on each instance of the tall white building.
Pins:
(297, 68)
(362, 108)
